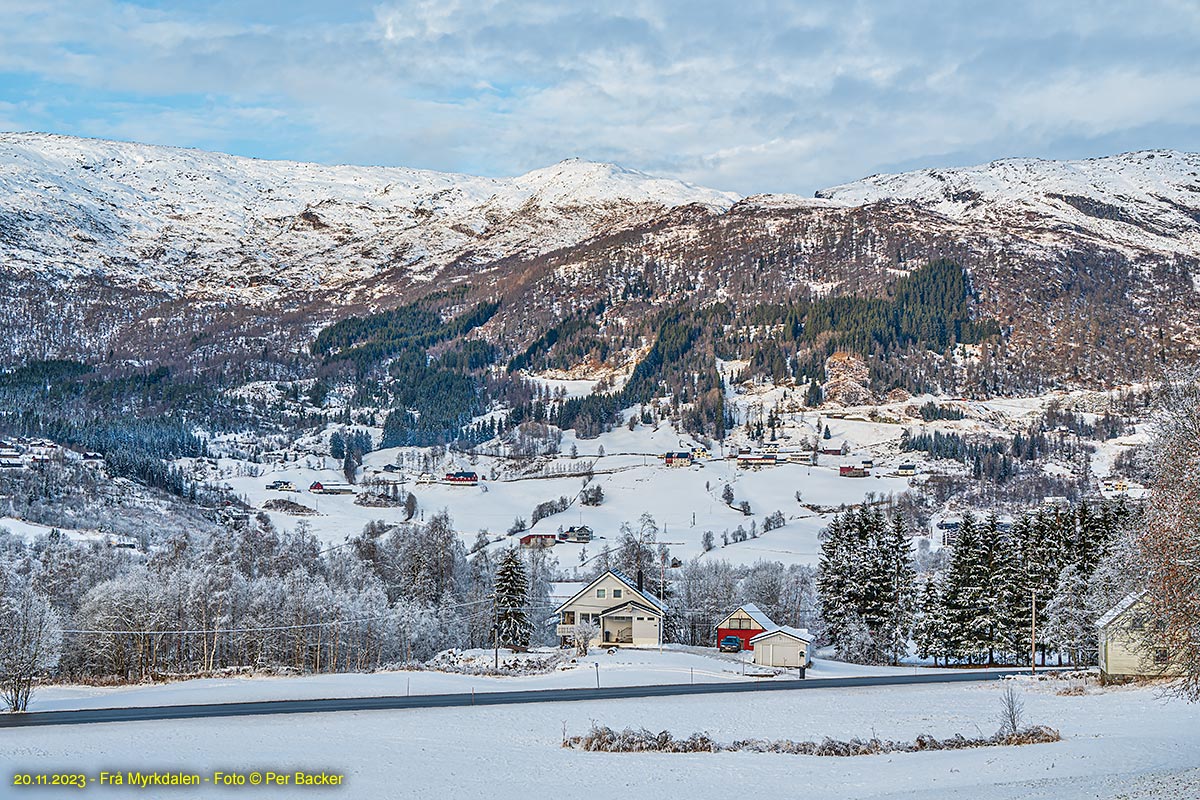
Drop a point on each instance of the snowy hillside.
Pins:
(188, 221)
(1147, 200)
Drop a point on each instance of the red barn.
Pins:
(537, 540)
(745, 622)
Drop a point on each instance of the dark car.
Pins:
(730, 644)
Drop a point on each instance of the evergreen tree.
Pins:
(1069, 628)
(897, 595)
(964, 594)
(510, 598)
(930, 628)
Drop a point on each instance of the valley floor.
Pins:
(1130, 743)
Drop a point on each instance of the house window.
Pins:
(600, 593)
(568, 618)
(1160, 657)
(616, 594)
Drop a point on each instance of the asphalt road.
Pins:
(202, 710)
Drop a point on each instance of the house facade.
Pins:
(622, 613)
(746, 622)
(1124, 649)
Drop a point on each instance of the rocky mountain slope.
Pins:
(131, 252)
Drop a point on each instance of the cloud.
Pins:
(752, 96)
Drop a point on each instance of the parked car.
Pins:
(730, 644)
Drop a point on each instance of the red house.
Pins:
(537, 540)
(745, 622)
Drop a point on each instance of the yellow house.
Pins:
(622, 612)
(1123, 647)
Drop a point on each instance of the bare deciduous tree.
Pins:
(582, 634)
(1012, 712)
(30, 643)
(1169, 543)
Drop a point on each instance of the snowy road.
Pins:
(458, 699)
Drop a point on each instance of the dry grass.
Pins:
(606, 740)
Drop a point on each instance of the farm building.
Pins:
(677, 459)
(754, 460)
(621, 610)
(462, 478)
(746, 622)
(851, 471)
(324, 487)
(581, 534)
(532, 541)
(1125, 653)
(699, 453)
(834, 447)
(805, 457)
(905, 470)
(783, 646)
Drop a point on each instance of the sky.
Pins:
(745, 96)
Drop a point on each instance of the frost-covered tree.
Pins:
(30, 644)
(1168, 541)
(511, 597)
(1069, 627)
(582, 634)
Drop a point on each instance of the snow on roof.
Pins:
(755, 613)
(787, 630)
(1120, 608)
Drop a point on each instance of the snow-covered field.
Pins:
(625, 667)
(1128, 743)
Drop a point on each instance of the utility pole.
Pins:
(1033, 632)
(496, 632)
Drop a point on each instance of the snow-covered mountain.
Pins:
(217, 226)
(1143, 201)
(132, 252)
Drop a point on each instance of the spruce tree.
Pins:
(964, 594)
(897, 595)
(930, 629)
(510, 597)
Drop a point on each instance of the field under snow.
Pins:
(625, 667)
(1127, 743)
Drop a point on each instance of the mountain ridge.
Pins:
(145, 254)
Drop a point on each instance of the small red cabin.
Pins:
(851, 471)
(746, 622)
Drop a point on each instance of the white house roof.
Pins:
(1120, 608)
(784, 630)
(755, 613)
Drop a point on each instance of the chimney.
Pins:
(639, 580)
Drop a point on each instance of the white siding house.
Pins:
(623, 614)
(784, 646)
(1123, 650)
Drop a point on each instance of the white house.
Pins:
(1124, 653)
(622, 613)
(783, 646)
